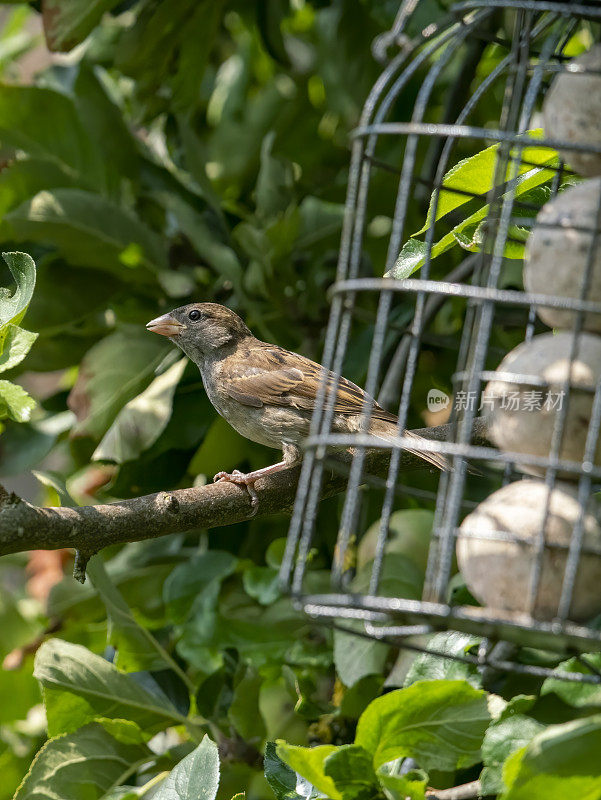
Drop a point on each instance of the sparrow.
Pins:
(265, 392)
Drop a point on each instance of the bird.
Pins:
(265, 392)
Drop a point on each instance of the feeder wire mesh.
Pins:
(429, 147)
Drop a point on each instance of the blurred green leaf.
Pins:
(53, 481)
(107, 126)
(573, 693)
(19, 691)
(262, 584)
(441, 724)
(141, 421)
(169, 43)
(137, 649)
(274, 182)
(270, 16)
(189, 580)
(196, 776)
(222, 448)
(67, 23)
(111, 374)
(45, 124)
(244, 712)
(80, 686)
(87, 231)
(207, 241)
(319, 220)
(85, 763)
(357, 656)
(25, 177)
(560, 762)
(16, 630)
(409, 533)
(24, 446)
(410, 786)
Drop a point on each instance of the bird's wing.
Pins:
(280, 377)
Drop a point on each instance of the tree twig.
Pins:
(24, 526)
(463, 792)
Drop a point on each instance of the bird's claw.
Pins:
(240, 479)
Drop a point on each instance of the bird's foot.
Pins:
(241, 479)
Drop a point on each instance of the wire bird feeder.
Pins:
(419, 154)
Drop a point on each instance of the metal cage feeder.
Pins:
(418, 154)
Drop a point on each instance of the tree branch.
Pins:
(24, 526)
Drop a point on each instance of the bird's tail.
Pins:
(440, 461)
(436, 459)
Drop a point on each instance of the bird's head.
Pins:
(201, 329)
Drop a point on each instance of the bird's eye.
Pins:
(194, 315)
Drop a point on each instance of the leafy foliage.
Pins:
(193, 150)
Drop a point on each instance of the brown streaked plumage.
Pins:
(265, 392)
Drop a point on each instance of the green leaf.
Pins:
(15, 629)
(282, 780)
(17, 343)
(428, 667)
(468, 233)
(15, 403)
(262, 584)
(440, 724)
(86, 763)
(309, 762)
(244, 712)
(54, 481)
(355, 656)
(13, 307)
(218, 254)
(19, 691)
(80, 686)
(409, 533)
(410, 786)
(112, 373)
(221, 448)
(25, 177)
(107, 126)
(476, 176)
(45, 124)
(573, 693)
(319, 220)
(196, 777)
(501, 739)
(137, 649)
(274, 182)
(166, 46)
(88, 231)
(413, 256)
(560, 763)
(350, 767)
(68, 22)
(141, 421)
(189, 580)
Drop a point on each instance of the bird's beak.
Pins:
(165, 325)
